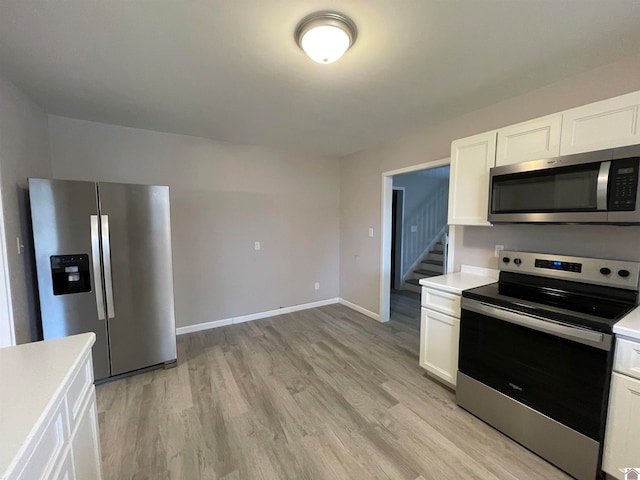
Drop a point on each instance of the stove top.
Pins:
(588, 292)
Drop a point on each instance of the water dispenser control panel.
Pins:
(70, 274)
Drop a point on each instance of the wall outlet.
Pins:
(256, 245)
(317, 286)
(414, 228)
(497, 250)
(371, 232)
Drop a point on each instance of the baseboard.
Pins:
(255, 316)
(360, 309)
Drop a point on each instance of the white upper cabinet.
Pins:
(532, 140)
(606, 124)
(471, 159)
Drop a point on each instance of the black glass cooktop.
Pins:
(591, 306)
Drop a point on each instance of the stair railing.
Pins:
(430, 218)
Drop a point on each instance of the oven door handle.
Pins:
(545, 325)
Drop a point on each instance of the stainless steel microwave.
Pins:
(594, 187)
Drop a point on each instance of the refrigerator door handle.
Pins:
(106, 261)
(95, 259)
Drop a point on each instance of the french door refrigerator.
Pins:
(103, 261)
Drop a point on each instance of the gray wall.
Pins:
(425, 207)
(361, 184)
(24, 152)
(224, 197)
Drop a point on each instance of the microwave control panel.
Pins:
(623, 181)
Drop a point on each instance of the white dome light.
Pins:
(325, 36)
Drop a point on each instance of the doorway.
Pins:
(397, 217)
(387, 258)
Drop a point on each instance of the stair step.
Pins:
(430, 261)
(426, 273)
(413, 281)
(413, 288)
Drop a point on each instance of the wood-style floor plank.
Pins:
(318, 394)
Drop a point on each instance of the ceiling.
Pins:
(230, 69)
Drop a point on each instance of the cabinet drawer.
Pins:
(443, 302)
(627, 359)
(80, 385)
(48, 447)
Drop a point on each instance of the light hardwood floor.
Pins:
(319, 394)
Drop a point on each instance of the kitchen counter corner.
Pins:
(468, 277)
(34, 377)
(629, 326)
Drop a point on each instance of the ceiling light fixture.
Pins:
(325, 36)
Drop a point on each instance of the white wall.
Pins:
(224, 197)
(24, 152)
(361, 185)
(425, 207)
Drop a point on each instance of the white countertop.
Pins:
(31, 377)
(629, 326)
(468, 277)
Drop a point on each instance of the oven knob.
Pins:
(605, 271)
(517, 261)
(623, 273)
(506, 259)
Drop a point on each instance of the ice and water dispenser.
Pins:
(70, 274)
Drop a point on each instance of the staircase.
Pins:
(431, 265)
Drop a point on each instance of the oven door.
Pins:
(556, 369)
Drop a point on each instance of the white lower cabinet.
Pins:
(84, 442)
(621, 445)
(64, 442)
(65, 470)
(439, 335)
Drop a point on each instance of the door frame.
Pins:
(399, 267)
(385, 236)
(7, 328)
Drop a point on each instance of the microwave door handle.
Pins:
(603, 182)
(95, 260)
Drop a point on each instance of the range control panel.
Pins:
(613, 273)
(559, 265)
(70, 274)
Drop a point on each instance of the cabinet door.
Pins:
(471, 159)
(85, 443)
(606, 124)
(533, 140)
(439, 336)
(621, 446)
(65, 470)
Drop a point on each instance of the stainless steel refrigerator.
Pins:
(103, 260)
